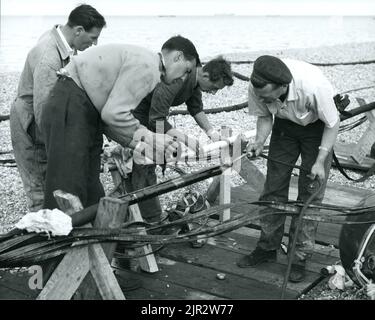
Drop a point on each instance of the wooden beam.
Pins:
(363, 146)
(225, 187)
(225, 178)
(147, 261)
(67, 202)
(67, 277)
(252, 175)
(111, 214)
(248, 171)
(103, 275)
(73, 271)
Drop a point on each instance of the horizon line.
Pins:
(202, 15)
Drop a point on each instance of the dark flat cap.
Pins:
(269, 69)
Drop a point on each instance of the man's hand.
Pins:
(318, 170)
(155, 148)
(254, 149)
(213, 134)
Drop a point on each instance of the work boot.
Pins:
(297, 273)
(256, 257)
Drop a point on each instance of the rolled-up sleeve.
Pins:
(161, 102)
(327, 111)
(132, 85)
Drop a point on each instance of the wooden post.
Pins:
(147, 261)
(225, 178)
(225, 189)
(78, 262)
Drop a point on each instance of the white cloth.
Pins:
(310, 97)
(53, 221)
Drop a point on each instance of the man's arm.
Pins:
(328, 113)
(264, 128)
(202, 121)
(161, 103)
(195, 107)
(131, 86)
(328, 140)
(44, 78)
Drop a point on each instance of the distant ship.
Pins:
(224, 14)
(167, 16)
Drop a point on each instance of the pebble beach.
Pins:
(343, 77)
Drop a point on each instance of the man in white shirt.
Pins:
(294, 100)
(52, 52)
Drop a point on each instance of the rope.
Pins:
(368, 174)
(294, 243)
(354, 124)
(27, 249)
(320, 64)
(242, 105)
(4, 117)
(234, 107)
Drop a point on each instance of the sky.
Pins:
(192, 7)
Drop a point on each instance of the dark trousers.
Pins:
(144, 176)
(71, 127)
(289, 141)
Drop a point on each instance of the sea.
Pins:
(212, 35)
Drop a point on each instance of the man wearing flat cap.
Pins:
(294, 100)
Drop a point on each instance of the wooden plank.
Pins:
(202, 283)
(103, 274)
(147, 262)
(225, 193)
(335, 194)
(363, 146)
(223, 260)
(67, 277)
(111, 214)
(225, 177)
(72, 271)
(62, 277)
(67, 202)
(159, 287)
(244, 243)
(252, 175)
(254, 178)
(343, 153)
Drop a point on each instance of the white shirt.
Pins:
(66, 44)
(310, 97)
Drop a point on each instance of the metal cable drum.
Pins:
(351, 240)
